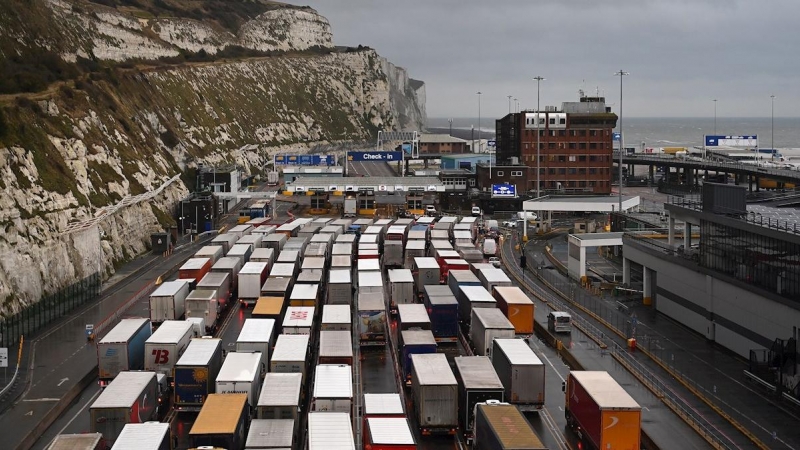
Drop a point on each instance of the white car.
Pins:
(510, 223)
(476, 211)
(495, 261)
(430, 209)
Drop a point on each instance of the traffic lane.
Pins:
(550, 422)
(377, 370)
(75, 420)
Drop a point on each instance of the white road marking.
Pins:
(88, 402)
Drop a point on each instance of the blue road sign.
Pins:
(491, 143)
(306, 160)
(616, 136)
(375, 156)
(504, 190)
(750, 140)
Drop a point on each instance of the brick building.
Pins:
(518, 174)
(575, 146)
(441, 144)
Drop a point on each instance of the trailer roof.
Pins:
(239, 249)
(440, 243)
(492, 318)
(265, 229)
(330, 431)
(383, 404)
(202, 294)
(496, 275)
(415, 244)
(518, 352)
(369, 278)
(369, 301)
(604, 389)
(417, 337)
(513, 295)
(291, 347)
(342, 248)
(511, 427)
(432, 369)
(342, 260)
(208, 250)
(443, 300)
(368, 239)
(270, 433)
(299, 316)
(477, 372)
(124, 390)
(199, 352)
(426, 263)
(240, 366)
(390, 431)
(367, 265)
(347, 238)
(227, 263)
(374, 229)
(412, 313)
(339, 276)
(335, 343)
(460, 234)
(336, 314)
(463, 276)
(313, 262)
(456, 261)
(253, 268)
(226, 237)
(136, 436)
(240, 228)
(322, 238)
(281, 389)
(76, 441)
(213, 279)
(282, 270)
(250, 239)
(263, 253)
(333, 381)
(437, 290)
(304, 292)
(256, 330)
(170, 331)
(124, 330)
(288, 256)
(400, 276)
(477, 294)
(397, 229)
(220, 414)
(275, 237)
(276, 284)
(169, 288)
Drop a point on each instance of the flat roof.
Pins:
(598, 203)
(380, 184)
(431, 138)
(604, 390)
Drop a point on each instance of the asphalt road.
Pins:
(370, 169)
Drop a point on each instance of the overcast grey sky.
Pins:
(681, 54)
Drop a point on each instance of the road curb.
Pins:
(57, 410)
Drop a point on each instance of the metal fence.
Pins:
(49, 308)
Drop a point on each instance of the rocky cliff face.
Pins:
(116, 135)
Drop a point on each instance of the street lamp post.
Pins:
(509, 103)
(621, 74)
(451, 126)
(516, 105)
(480, 146)
(773, 124)
(715, 117)
(538, 79)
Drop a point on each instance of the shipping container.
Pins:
(253, 240)
(368, 265)
(240, 374)
(393, 254)
(131, 398)
(414, 249)
(144, 436)
(333, 388)
(212, 252)
(388, 433)
(370, 283)
(277, 287)
(122, 348)
(284, 270)
(196, 372)
(413, 316)
(402, 287)
(336, 318)
(280, 397)
(426, 271)
(252, 276)
(442, 310)
(601, 412)
(84, 441)
(477, 383)
(222, 423)
(291, 354)
(340, 287)
(414, 342)
(275, 241)
(269, 308)
(335, 347)
(297, 244)
(521, 372)
(265, 255)
(435, 394)
(486, 325)
(220, 282)
(471, 297)
(241, 230)
(517, 307)
(270, 434)
(298, 320)
(491, 278)
(226, 241)
(330, 431)
(342, 262)
(257, 336)
(168, 301)
(166, 346)
(371, 319)
(230, 265)
(241, 251)
(458, 278)
(204, 304)
(500, 426)
(383, 405)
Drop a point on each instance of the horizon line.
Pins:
(649, 117)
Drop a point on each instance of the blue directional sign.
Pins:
(306, 160)
(491, 143)
(504, 190)
(750, 140)
(375, 156)
(616, 136)
(407, 148)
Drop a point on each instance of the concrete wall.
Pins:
(734, 317)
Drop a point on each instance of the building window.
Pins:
(582, 171)
(551, 171)
(562, 171)
(582, 158)
(516, 173)
(582, 145)
(472, 182)
(572, 132)
(592, 132)
(562, 133)
(581, 132)
(572, 171)
(593, 145)
(562, 121)
(562, 158)
(553, 133)
(592, 171)
(573, 146)
(552, 121)
(572, 158)
(551, 145)
(499, 173)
